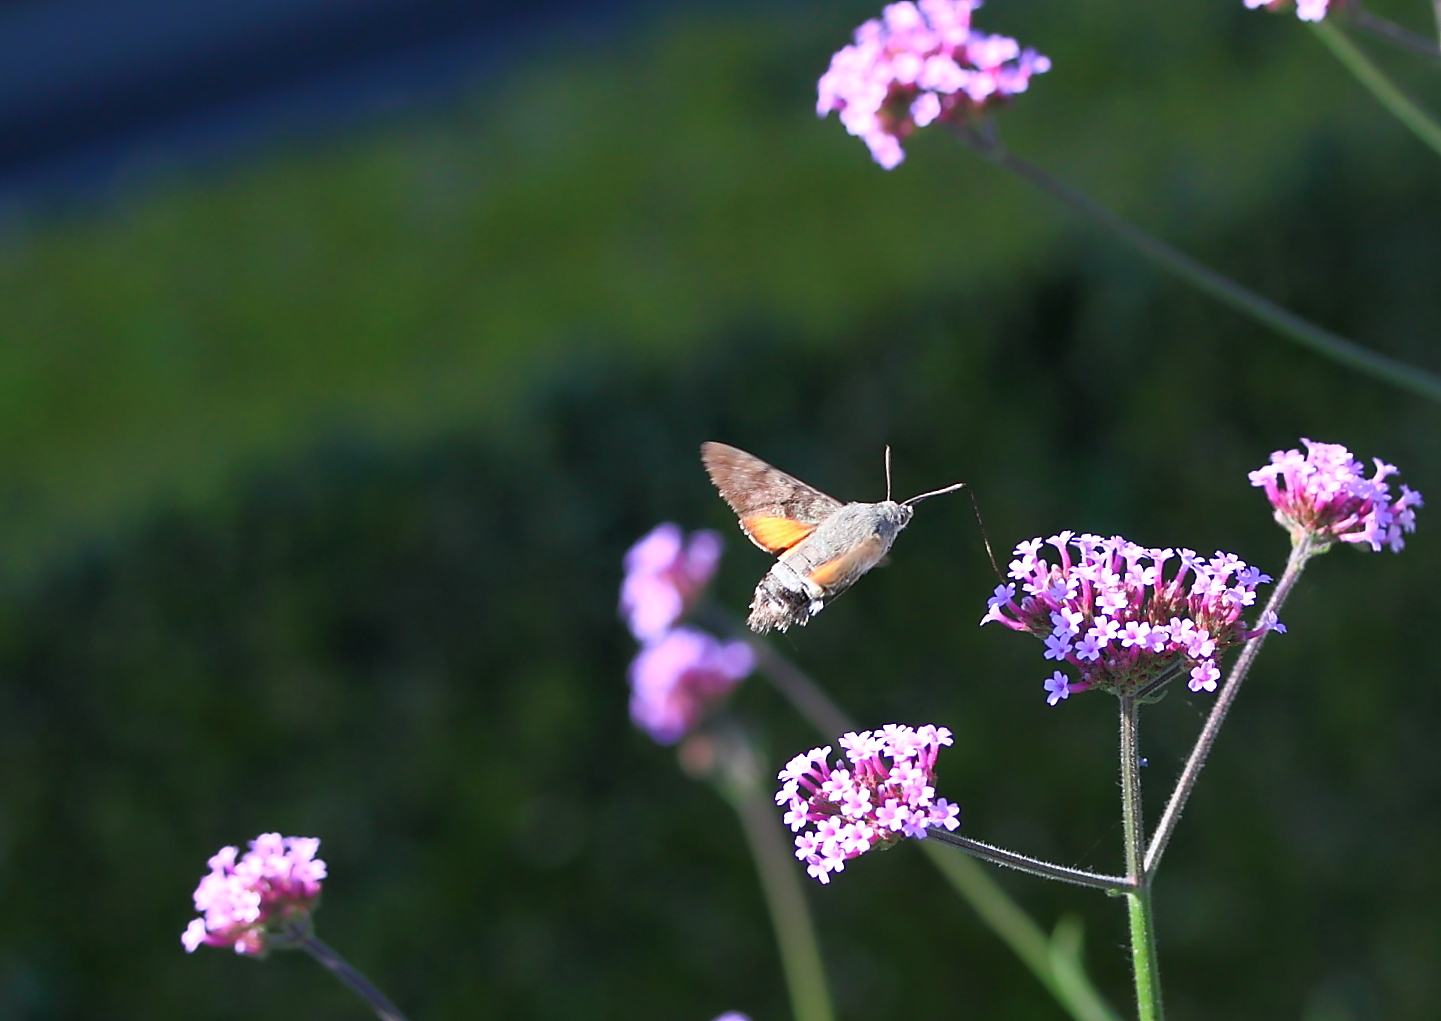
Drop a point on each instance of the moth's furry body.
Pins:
(824, 564)
(824, 545)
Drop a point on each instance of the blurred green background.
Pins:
(316, 469)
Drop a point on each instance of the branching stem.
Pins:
(1144, 962)
(1301, 551)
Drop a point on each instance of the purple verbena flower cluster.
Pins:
(1109, 611)
(1325, 493)
(276, 882)
(1306, 10)
(920, 62)
(680, 672)
(872, 803)
(676, 679)
(664, 573)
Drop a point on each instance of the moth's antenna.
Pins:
(933, 492)
(985, 538)
(888, 473)
(990, 555)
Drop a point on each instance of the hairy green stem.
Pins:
(1422, 125)
(738, 779)
(1302, 550)
(350, 977)
(1208, 281)
(1033, 866)
(1138, 901)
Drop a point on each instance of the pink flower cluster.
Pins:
(873, 803)
(1325, 493)
(1306, 10)
(664, 573)
(680, 672)
(675, 680)
(1109, 611)
(919, 63)
(277, 881)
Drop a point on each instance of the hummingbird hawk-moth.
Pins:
(824, 545)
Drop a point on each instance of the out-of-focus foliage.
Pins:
(643, 195)
(477, 356)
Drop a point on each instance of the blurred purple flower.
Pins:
(919, 63)
(1325, 493)
(674, 681)
(1306, 10)
(276, 882)
(664, 573)
(1111, 613)
(873, 803)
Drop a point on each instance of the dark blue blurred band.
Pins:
(87, 87)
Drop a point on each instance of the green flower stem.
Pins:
(1138, 902)
(1223, 289)
(802, 692)
(1393, 33)
(1422, 125)
(1302, 550)
(739, 781)
(352, 979)
(1057, 963)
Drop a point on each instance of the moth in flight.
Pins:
(824, 545)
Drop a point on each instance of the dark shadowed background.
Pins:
(339, 370)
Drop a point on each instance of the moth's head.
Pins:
(895, 515)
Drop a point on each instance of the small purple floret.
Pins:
(277, 881)
(1058, 687)
(1325, 494)
(873, 803)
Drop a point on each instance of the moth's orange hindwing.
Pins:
(860, 559)
(775, 534)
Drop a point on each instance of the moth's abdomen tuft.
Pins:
(778, 606)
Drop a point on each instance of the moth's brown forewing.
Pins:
(776, 510)
(825, 545)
